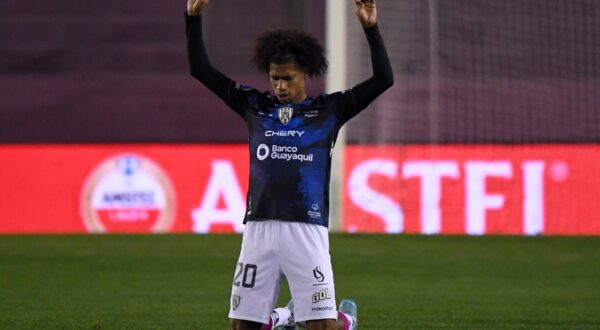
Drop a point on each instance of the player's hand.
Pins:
(194, 7)
(366, 11)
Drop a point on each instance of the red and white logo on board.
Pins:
(128, 193)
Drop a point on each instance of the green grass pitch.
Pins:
(399, 282)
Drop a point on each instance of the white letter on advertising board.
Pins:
(478, 201)
(372, 201)
(431, 173)
(222, 183)
(533, 190)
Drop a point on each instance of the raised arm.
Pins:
(383, 76)
(200, 66)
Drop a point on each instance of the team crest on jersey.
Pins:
(285, 115)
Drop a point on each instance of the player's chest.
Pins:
(291, 124)
(289, 119)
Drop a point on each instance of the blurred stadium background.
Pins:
(492, 125)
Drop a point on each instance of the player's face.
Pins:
(288, 82)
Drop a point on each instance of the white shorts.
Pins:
(272, 249)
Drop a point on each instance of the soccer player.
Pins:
(291, 138)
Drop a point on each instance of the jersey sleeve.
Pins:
(235, 95)
(349, 103)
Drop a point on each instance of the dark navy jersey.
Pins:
(290, 153)
(290, 144)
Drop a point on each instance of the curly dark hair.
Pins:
(288, 45)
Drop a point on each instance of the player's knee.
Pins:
(244, 325)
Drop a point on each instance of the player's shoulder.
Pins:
(318, 102)
(339, 94)
(250, 90)
(256, 98)
(337, 98)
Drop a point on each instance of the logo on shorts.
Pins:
(235, 301)
(318, 274)
(285, 115)
(321, 295)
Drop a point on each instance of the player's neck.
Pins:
(297, 100)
